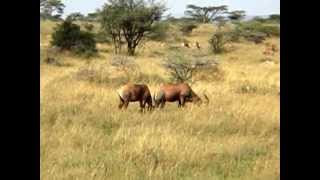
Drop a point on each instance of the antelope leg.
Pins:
(182, 100)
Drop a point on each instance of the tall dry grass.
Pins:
(84, 135)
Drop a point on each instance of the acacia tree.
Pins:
(205, 14)
(110, 23)
(236, 15)
(51, 9)
(77, 16)
(130, 19)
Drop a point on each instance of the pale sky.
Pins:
(177, 7)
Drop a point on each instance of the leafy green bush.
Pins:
(86, 45)
(254, 31)
(68, 36)
(182, 67)
(159, 31)
(218, 41)
(269, 30)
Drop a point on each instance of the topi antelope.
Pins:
(185, 44)
(135, 92)
(181, 92)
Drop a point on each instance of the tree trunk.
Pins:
(131, 49)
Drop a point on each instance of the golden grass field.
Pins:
(237, 136)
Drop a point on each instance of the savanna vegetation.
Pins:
(85, 136)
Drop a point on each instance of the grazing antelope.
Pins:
(135, 92)
(185, 44)
(181, 92)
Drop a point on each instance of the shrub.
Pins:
(269, 30)
(183, 66)
(254, 31)
(86, 45)
(64, 35)
(187, 28)
(218, 41)
(159, 31)
(68, 36)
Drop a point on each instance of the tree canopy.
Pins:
(205, 14)
(51, 9)
(236, 15)
(77, 16)
(130, 19)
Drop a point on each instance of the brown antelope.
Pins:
(135, 92)
(180, 93)
(185, 44)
